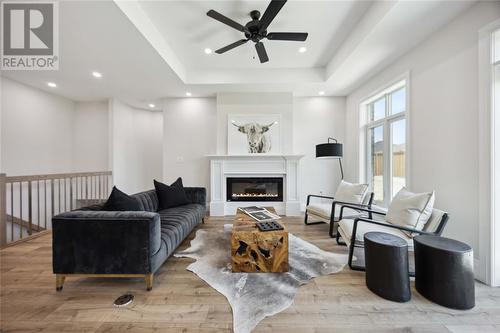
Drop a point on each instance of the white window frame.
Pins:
(487, 267)
(386, 123)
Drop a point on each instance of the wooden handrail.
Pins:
(17, 179)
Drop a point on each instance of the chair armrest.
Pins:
(385, 224)
(317, 196)
(196, 195)
(105, 242)
(359, 208)
(349, 205)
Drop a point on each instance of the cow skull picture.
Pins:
(257, 136)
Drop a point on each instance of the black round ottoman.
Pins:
(444, 271)
(386, 263)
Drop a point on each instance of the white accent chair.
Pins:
(350, 229)
(327, 210)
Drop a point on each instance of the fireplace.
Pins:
(254, 189)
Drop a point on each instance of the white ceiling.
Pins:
(185, 26)
(149, 50)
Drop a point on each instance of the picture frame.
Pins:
(249, 134)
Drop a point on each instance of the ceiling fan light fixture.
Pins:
(208, 51)
(302, 49)
(256, 30)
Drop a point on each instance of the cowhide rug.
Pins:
(254, 296)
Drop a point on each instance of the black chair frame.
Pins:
(438, 232)
(332, 215)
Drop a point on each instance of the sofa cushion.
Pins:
(346, 226)
(148, 200)
(353, 193)
(178, 222)
(411, 210)
(119, 201)
(171, 196)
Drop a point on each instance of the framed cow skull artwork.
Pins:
(253, 134)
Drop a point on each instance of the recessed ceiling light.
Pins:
(302, 49)
(51, 84)
(151, 105)
(208, 51)
(96, 74)
(188, 94)
(321, 93)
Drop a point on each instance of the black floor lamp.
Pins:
(331, 150)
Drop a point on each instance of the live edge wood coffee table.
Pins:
(255, 251)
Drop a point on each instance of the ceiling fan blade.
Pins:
(294, 36)
(226, 20)
(261, 51)
(231, 46)
(271, 11)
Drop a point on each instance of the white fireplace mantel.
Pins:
(286, 166)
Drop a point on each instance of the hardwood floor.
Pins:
(181, 302)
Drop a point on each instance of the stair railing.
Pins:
(28, 203)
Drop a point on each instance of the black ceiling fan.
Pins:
(256, 29)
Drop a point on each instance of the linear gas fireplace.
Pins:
(254, 189)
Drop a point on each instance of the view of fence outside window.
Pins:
(385, 132)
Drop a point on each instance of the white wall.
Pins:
(316, 119)
(90, 136)
(45, 133)
(189, 135)
(255, 103)
(196, 127)
(37, 130)
(135, 147)
(443, 118)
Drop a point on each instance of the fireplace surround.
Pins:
(225, 167)
(254, 189)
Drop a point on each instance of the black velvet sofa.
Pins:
(95, 243)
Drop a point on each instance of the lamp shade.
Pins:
(329, 150)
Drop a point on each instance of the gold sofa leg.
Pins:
(60, 281)
(149, 281)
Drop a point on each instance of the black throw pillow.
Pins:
(119, 201)
(171, 196)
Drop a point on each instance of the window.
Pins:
(496, 70)
(378, 109)
(385, 132)
(376, 137)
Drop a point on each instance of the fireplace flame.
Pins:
(255, 195)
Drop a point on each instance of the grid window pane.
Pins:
(377, 162)
(496, 46)
(398, 142)
(398, 101)
(378, 110)
(386, 143)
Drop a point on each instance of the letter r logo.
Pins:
(28, 28)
